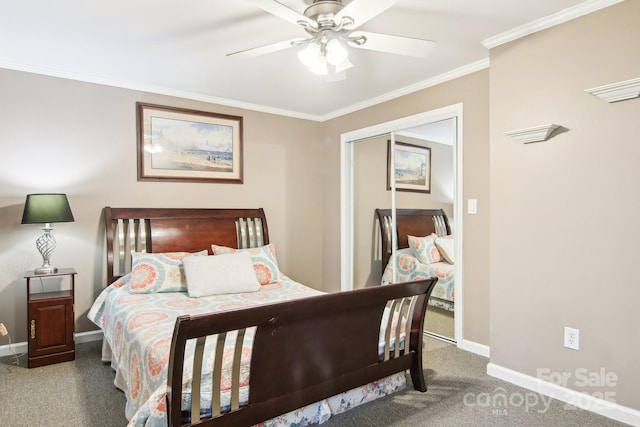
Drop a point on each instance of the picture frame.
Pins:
(412, 168)
(177, 144)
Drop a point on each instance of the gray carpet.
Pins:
(460, 393)
(71, 394)
(81, 393)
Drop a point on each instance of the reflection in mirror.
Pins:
(422, 193)
(424, 220)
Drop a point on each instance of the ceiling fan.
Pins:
(331, 28)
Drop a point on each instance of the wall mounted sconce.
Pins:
(46, 209)
(533, 134)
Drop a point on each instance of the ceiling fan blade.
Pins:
(364, 10)
(282, 11)
(263, 50)
(399, 45)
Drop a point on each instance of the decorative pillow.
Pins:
(223, 274)
(161, 272)
(425, 249)
(445, 246)
(264, 260)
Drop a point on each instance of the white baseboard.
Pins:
(575, 398)
(21, 347)
(88, 336)
(16, 348)
(474, 347)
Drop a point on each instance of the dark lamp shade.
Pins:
(46, 208)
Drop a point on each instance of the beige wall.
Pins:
(564, 213)
(58, 135)
(370, 192)
(473, 91)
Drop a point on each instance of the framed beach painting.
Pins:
(176, 144)
(411, 167)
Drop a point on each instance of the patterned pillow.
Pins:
(161, 272)
(424, 248)
(264, 261)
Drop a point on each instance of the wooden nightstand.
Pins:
(51, 321)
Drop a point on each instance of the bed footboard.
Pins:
(305, 350)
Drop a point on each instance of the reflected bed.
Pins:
(424, 249)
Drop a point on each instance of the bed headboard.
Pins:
(414, 222)
(177, 230)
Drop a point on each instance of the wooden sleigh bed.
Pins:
(245, 362)
(424, 224)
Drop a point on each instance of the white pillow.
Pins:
(220, 274)
(445, 246)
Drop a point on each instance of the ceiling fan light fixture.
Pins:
(336, 52)
(332, 29)
(309, 55)
(320, 66)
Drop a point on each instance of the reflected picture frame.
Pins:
(412, 168)
(182, 145)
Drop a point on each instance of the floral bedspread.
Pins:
(138, 329)
(410, 269)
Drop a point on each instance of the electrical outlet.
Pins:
(572, 338)
(3, 330)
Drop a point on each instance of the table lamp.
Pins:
(46, 209)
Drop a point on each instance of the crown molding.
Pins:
(442, 78)
(548, 22)
(144, 87)
(620, 91)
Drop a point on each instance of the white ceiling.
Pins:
(179, 47)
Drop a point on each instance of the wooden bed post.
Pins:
(174, 375)
(417, 340)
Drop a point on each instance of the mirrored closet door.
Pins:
(411, 169)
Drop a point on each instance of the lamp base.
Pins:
(45, 270)
(46, 244)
